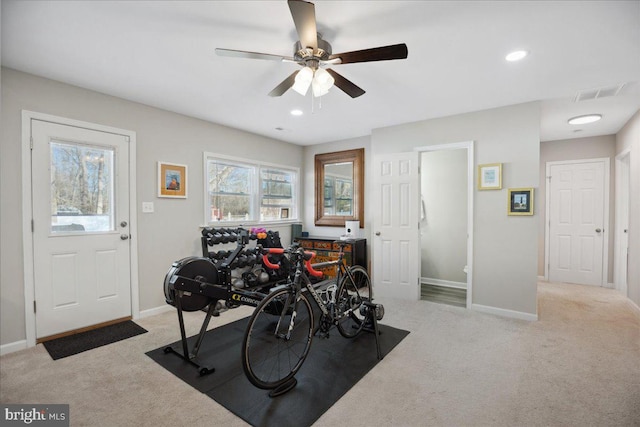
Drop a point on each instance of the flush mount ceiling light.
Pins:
(584, 119)
(516, 55)
(296, 112)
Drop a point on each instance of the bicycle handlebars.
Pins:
(307, 256)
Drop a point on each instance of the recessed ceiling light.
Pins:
(516, 56)
(587, 118)
(296, 112)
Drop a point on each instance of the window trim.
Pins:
(256, 195)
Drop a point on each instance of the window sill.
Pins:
(249, 224)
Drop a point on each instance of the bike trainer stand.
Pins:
(372, 319)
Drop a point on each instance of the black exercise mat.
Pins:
(74, 344)
(333, 366)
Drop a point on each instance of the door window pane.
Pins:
(82, 190)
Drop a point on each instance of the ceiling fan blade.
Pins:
(285, 85)
(304, 17)
(347, 86)
(383, 53)
(251, 55)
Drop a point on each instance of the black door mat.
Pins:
(333, 366)
(83, 341)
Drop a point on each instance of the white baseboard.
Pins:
(157, 310)
(633, 305)
(504, 312)
(21, 345)
(445, 283)
(12, 347)
(609, 286)
(541, 279)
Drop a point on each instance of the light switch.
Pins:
(147, 207)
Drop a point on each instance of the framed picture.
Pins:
(172, 180)
(520, 201)
(490, 176)
(284, 213)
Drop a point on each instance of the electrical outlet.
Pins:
(147, 207)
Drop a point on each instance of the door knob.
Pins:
(598, 230)
(377, 233)
(123, 224)
(124, 236)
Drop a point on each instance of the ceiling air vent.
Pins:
(602, 92)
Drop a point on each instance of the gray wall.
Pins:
(443, 230)
(172, 232)
(576, 149)
(504, 267)
(629, 138)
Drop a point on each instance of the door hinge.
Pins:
(31, 143)
(34, 306)
(32, 226)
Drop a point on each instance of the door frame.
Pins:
(606, 161)
(622, 196)
(27, 209)
(469, 146)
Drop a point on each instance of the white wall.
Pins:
(172, 232)
(576, 149)
(629, 138)
(443, 230)
(505, 247)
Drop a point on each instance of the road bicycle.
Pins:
(280, 330)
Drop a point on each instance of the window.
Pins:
(240, 190)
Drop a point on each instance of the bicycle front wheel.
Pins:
(353, 290)
(277, 338)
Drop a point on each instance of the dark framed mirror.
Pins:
(339, 187)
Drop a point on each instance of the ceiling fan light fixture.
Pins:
(322, 82)
(303, 81)
(584, 119)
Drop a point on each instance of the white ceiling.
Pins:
(161, 53)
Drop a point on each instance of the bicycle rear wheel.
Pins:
(277, 339)
(351, 295)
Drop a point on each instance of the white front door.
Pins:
(81, 249)
(396, 214)
(577, 228)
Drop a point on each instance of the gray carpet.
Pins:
(576, 366)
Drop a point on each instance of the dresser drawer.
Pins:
(336, 247)
(322, 245)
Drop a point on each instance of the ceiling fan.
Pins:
(314, 54)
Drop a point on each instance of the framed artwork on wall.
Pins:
(520, 201)
(172, 180)
(490, 176)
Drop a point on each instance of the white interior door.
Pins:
(396, 214)
(81, 249)
(577, 222)
(621, 261)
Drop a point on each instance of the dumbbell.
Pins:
(226, 237)
(241, 261)
(251, 260)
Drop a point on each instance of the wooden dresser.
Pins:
(326, 250)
